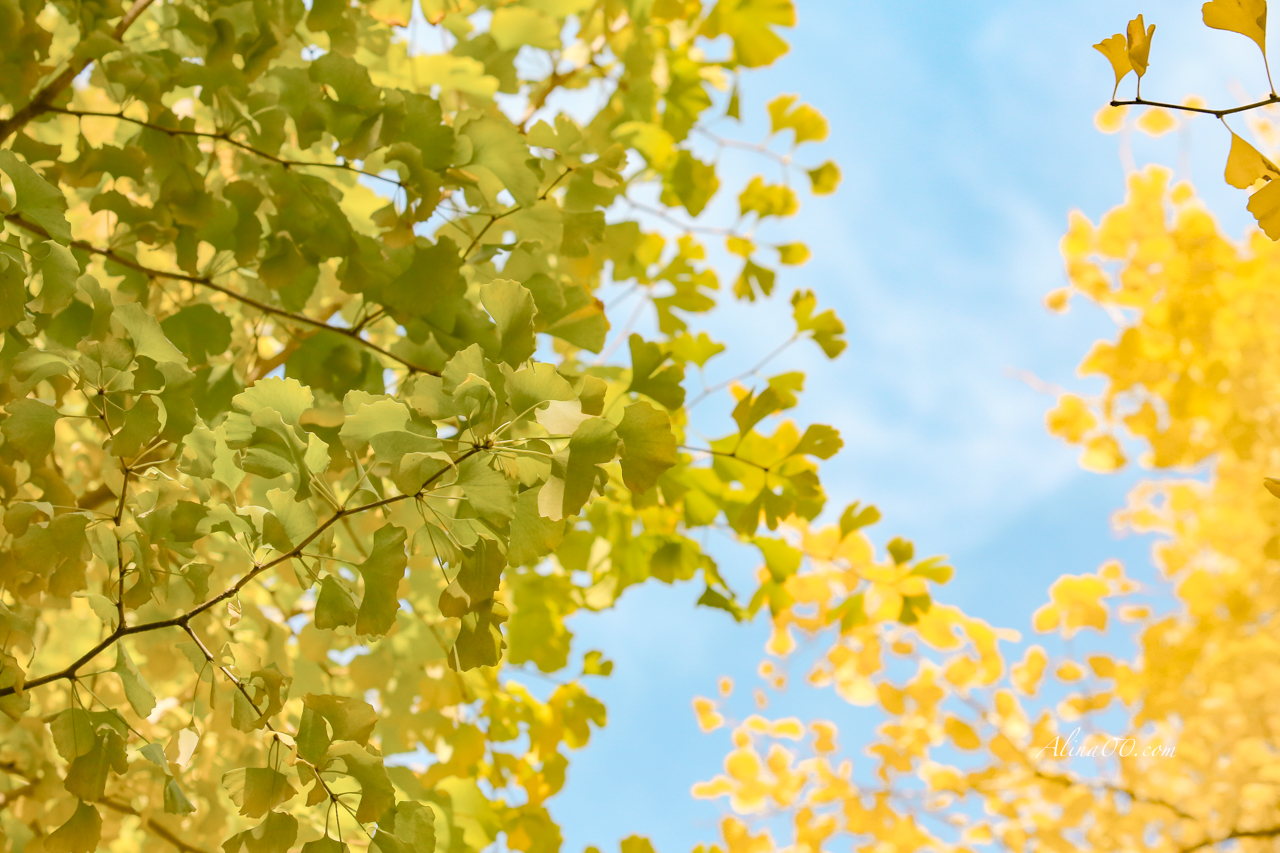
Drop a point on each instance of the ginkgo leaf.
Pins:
(37, 199)
(268, 688)
(809, 124)
(349, 718)
(1246, 17)
(175, 801)
(532, 535)
(592, 444)
(750, 24)
(691, 183)
(287, 396)
(140, 697)
(537, 384)
(198, 331)
(1265, 207)
(1156, 122)
(961, 733)
(376, 793)
(58, 272)
(148, 336)
(819, 440)
(826, 328)
(648, 446)
(382, 573)
(490, 494)
(477, 580)
(409, 828)
(511, 306)
(73, 733)
(856, 517)
(87, 775)
(479, 641)
(257, 790)
(825, 179)
(80, 834)
(1116, 50)
(1246, 165)
(649, 377)
(767, 200)
(514, 26)
(1139, 44)
(276, 834)
(29, 427)
(334, 605)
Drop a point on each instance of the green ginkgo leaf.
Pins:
(80, 834)
(382, 573)
(648, 446)
(37, 200)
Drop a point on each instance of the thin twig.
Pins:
(225, 137)
(207, 281)
(752, 371)
(183, 620)
(152, 824)
(1143, 102)
(43, 100)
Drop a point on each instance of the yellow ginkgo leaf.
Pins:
(1265, 207)
(1110, 119)
(1102, 453)
(1116, 50)
(1070, 671)
(1058, 300)
(961, 733)
(1139, 43)
(1156, 122)
(1246, 17)
(1246, 165)
(1273, 486)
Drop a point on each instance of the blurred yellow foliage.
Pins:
(1179, 737)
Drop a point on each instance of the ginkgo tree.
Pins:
(1247, 168)
(1074, 744)
(315, 424)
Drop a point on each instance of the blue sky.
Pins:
(965, 131)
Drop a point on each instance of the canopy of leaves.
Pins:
(1162, 750)
(312, 426)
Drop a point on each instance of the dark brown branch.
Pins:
(206, 281)
(1272, 832)
(43, 100)
(152, 824)
(225, 137)
(1142, 102)
(69, 672)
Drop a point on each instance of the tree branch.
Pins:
(43, 100)
(225, 137)
(1143, 102)
(69, 672)
(152, 824)
(207, 281)
(1272, 832)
